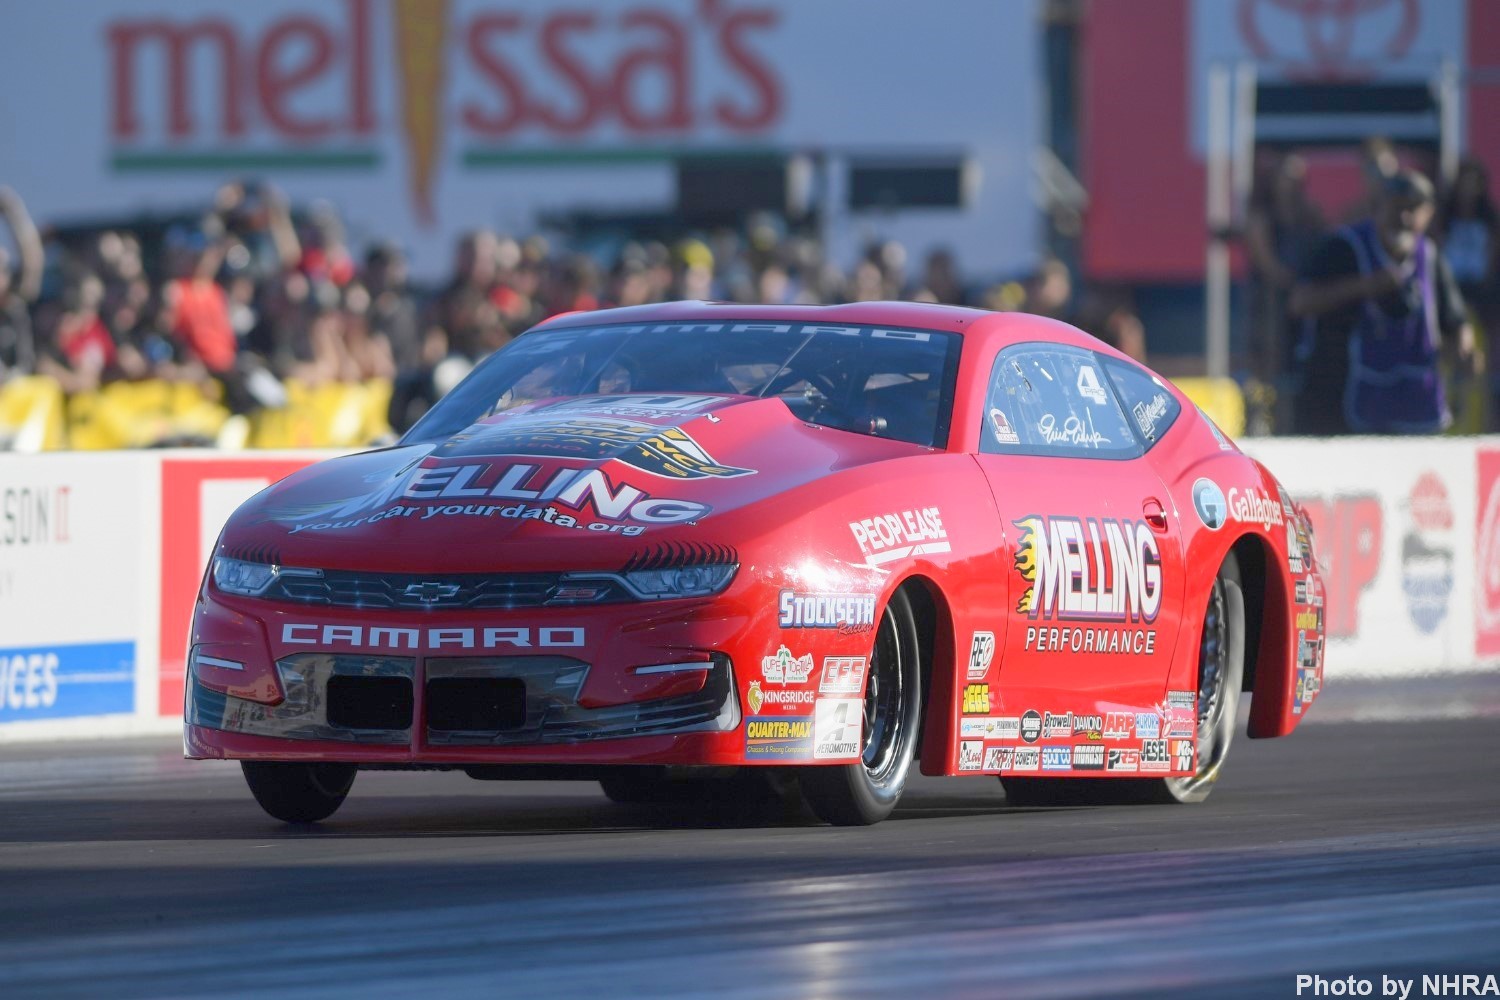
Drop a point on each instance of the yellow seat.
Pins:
(1220, 398)
(32, 414)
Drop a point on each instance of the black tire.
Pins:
(1221, 669)
(866, 791)
(295, 792)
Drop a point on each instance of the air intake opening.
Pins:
(369, 702)
(475, 704)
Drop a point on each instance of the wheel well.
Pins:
(927, 607)
(1250, 551)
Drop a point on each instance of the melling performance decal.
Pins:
(1097, 570)
(669, 452)
(550, 492)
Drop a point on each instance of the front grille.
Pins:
(475, 704)
(347, 589)
(369, 702)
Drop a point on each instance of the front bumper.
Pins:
(268, 681)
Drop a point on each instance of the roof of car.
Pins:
(1007, 327)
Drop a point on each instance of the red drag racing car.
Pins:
(646, 546)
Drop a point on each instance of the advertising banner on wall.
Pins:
(71, 586)
(424, 118)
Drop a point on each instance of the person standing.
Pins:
(1380, 307)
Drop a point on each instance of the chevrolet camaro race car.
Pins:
(653, 546)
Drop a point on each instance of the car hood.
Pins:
(588, 482)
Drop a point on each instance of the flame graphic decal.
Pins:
(421, 28)
(1031, 533)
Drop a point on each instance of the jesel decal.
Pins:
(1089, 570)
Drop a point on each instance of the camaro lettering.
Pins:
(435, 639)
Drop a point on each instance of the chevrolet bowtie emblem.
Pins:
(430, 591)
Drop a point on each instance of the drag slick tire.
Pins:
(1221, 673)
(867, 791)
(296, 792)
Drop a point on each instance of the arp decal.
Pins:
(1089, 570)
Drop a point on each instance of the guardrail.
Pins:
(101, 555)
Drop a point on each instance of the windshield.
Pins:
(893, 383)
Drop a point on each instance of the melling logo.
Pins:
(303, 89)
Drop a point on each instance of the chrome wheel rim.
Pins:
(884, 696)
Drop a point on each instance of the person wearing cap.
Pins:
(1380, 308)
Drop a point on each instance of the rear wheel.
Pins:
(296, 792)
(1221, 671)
(867, 790)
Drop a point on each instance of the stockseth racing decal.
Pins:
(848, 613)
(1089, 570)
(889, 537)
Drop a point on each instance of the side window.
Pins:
(1049, 399)
(1151, 405)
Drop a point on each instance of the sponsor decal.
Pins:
(1182, 699)
(1089, 757)
(66, 681)
(1031, 726)
(999, 758)
(1154, 756)
(1427, 553)
(1088, 385)
(1004, 432)
(431, 639)
(784, 668)
(1148, 413)
(555, 494)
(1088, 727)
(970, 755)
(1091, 570)
(1182, 755)
(889, 537)
(1209, 502)
(645, 406)
(1075, 430)
(1311, 621)
(1147, 725)
(787, 696)
(842, 675)
(1301, 591)
(669, 452)
(1254, 506)
(1118, 725)
(846, 612)
(1122, 759)
(1057, 758)
(836, 729)
(755, 698)
(989, 728)
(1028, 758)
(1487, 556)
(981, 655)
(1178, 713)
(1057, 725)
(779, 738)
(976, 699)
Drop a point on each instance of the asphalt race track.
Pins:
(1367, 844)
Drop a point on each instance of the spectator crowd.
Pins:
(252, 297)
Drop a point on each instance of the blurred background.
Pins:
(294, 224)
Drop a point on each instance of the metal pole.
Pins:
(1218, 209)
(1450, 95)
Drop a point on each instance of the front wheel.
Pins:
(295, 792)
(867, 790)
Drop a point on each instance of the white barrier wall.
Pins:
(101, 556)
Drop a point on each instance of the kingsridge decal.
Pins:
(1091, 570)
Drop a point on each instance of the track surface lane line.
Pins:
(1374, 846)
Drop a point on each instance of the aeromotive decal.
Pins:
(1089, 570)
(889, 537)
(560, 495)
(430, 639)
